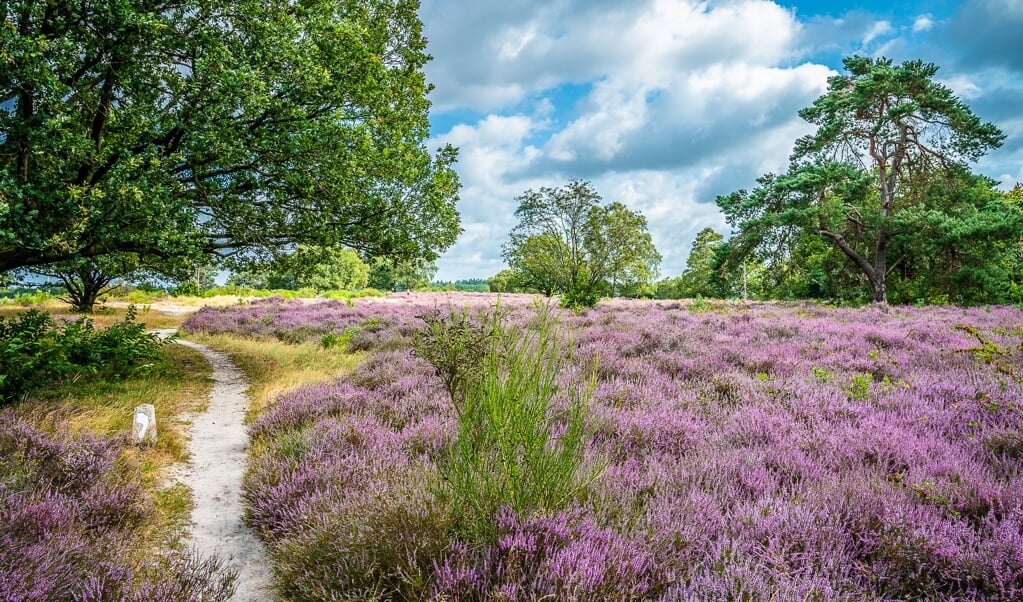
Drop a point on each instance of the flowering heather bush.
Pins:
(69, 525)
(561, 557)
(764, 451)
(372, 322)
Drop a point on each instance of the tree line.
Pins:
(285, 142)
(879, 204)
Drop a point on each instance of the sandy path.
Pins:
(214, 474)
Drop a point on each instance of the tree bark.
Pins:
(879, 283)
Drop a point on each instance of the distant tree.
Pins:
(884, 132)
(326, 268)
(507, 281)
(196, 280)
(621, 252)
(388, 274)
(186, 128)
(85, 280)
(467, 285)
(695, 280)
(536, 261)
(308, 266)
(567, 242)
(262, 277)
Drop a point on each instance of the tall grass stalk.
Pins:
(521, 439)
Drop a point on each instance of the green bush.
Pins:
(35, 351)
(521, 440)
(579, 297)
(456, 345)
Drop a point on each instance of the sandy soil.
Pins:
(214, 474)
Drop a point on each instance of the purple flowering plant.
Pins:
(72, 523)
(750, 451)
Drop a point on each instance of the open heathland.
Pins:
(733, 451)
(84, 513)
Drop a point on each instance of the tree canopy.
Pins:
(885, 135)
(241, 128)
(567, 242)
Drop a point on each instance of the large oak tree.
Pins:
(177, 128)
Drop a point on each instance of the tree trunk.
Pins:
(875, 273)
(84, 286)
(85, 301)
(879, 281)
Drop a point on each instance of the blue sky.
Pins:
(666, 104)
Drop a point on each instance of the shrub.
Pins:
(560, 557)
(516, 445)
(35, 351)
(456, 346)
(579, 298)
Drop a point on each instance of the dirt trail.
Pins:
(214, 474)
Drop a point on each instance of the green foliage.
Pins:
(885, 136)
(579, 297)
(697, 279)
(859, 387)
(35, 351)
(468, 285)
(321, 268)
(191, 128)
(87, 279)
(391, 274)
(456, 345)
(699, 305)
(341, 340)
(567, 242)
(507, 281)
(26, 297)
(510, 407)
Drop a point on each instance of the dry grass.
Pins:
(273, 367)
(103, 316)
(177, 389)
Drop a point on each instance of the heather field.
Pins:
(731, 452)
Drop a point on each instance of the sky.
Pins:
(665, 104)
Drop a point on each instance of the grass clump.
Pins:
(521, 436)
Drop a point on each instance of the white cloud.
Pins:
(685, 100)
(923, 23)
(492, 57)
(664, 104)
(673, 205)
(879, 30)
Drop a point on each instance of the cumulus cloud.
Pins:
(492, 55)
(665, 104)
(679, 97)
